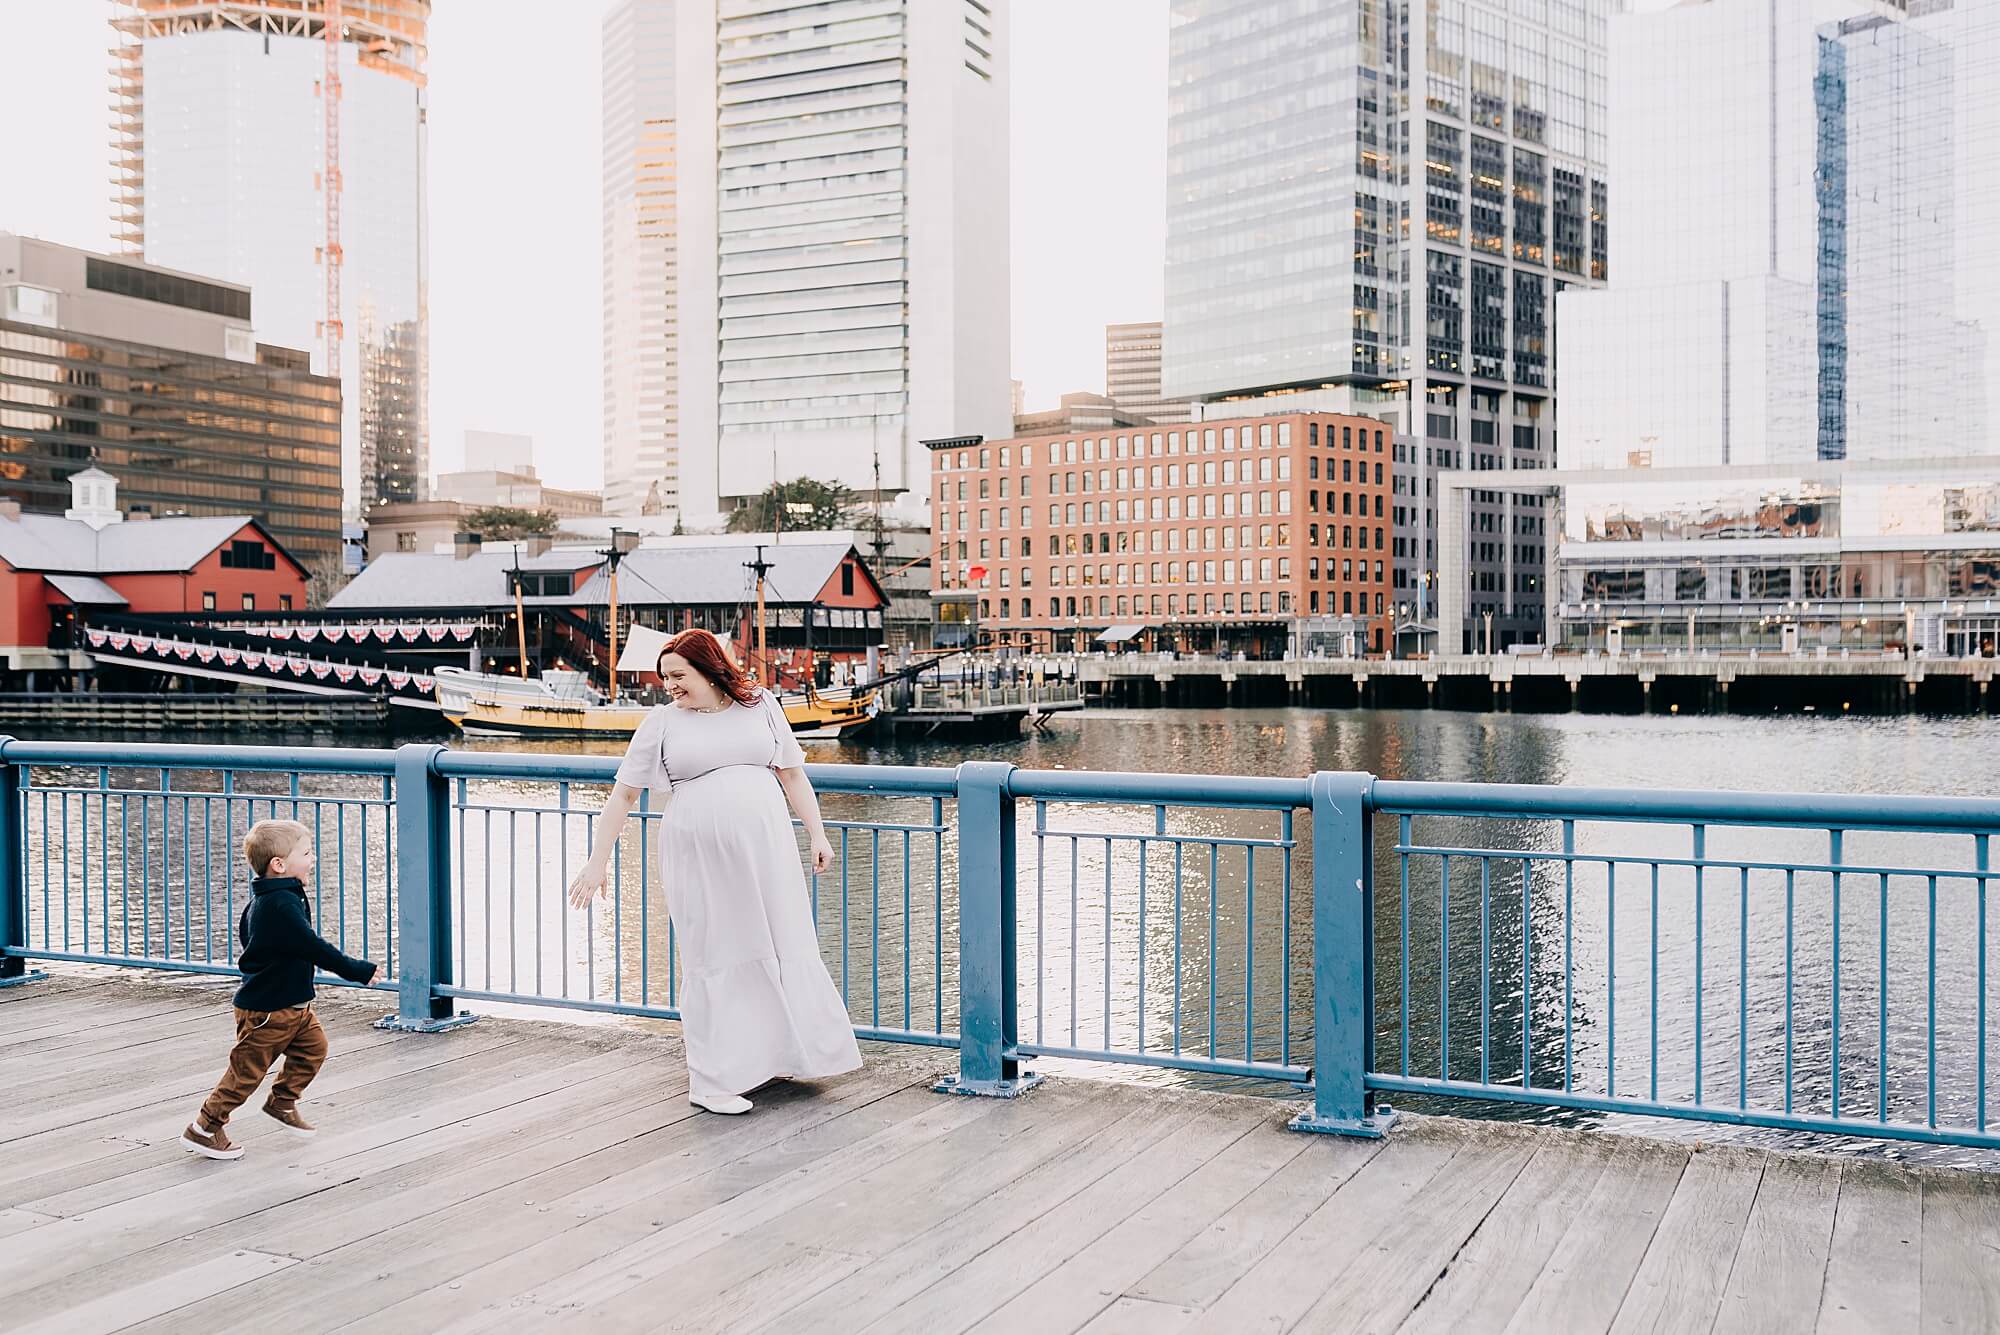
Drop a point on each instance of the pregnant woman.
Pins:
(758, 1004)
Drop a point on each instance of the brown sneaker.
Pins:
(214, 1144)
(289, 1119)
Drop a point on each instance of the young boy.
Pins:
(274, 1014)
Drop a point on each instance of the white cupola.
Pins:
(93, 499)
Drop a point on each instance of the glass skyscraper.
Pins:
(1810, 254)
(220, 143)
(1373, 204)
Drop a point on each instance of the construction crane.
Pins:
(330, 254)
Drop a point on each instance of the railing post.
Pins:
(13, 879)
(1343, 1008)
(423, 894)
(987, 964)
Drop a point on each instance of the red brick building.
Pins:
(1198, 537)
(97, 558)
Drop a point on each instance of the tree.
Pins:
(801, 504)
(504, 523)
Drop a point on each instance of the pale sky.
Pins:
(514, 205)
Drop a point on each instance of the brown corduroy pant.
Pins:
(261, 1038)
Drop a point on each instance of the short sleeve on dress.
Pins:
(788, 755)
(645, 762)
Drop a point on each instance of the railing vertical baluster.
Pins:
(13, 874)
(846, 925)
(1445, 968)
(462, 819)
(1214, 897)
(1835, 841)
(645, 896)
(1180, 868)
(1527, 975)
(908, 940)
(1285, 950)
(340, 862)
(1982, 846)
(1653, 983)
(104, 842)
(1249, 948)
(617, 910)
(1743, 990)
(486, 912)
(1041, 934)
(1074, 937)
(1930, 1005)
(1882, 1004)
(1791, 877)
(1569, 954)
(875, 926)
(937, 907)
(1342, 1008)
(1107, 943)
(988, 1062)
(389, 908)
(1485, 970)
(644, 795)
(423, 819)
(1610, 979)
(1403, 867)
(1700, 875)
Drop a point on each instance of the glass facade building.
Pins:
(1371, 207)
(1828, 291)
(198, 419)
(222, 141)
(641, 271)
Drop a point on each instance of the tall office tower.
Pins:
(1809, 247)
(250, 147)
(1132, 373)
(641, 342)
(1370, 209)
(843, 229)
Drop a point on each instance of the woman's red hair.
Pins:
(705, 655)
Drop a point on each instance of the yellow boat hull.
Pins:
(814, 716)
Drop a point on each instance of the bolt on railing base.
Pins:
(32, 976)
(988, 1089)
(396, 1024)
(1372, 1127)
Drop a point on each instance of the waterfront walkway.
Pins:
(517, 1175)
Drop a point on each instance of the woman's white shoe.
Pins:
(729, 1105)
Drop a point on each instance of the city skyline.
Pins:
(515, 185)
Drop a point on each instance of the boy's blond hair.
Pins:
(270, 839)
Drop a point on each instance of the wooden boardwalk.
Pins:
(539, 1176)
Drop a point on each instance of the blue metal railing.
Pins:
(1810, 963)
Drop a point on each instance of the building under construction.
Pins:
(281, 144)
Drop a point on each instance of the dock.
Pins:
(961, 708)
(1650, 682)
(176, 712)
(520, 1175)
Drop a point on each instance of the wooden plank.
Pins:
(1781, 1263)
(1487, 1281)
(1584, 1280)
(816, 1172)
(1201, 1270)
(1075, 1291)
(123, 1307)
(1874, 1269)
(1278, 1289)
(1680, 1283)
(955, 1301)
(1141, 1316)
(1418, 1243)
(718, 1290)
(1961, 1253)
(14, 1221)
(946, 1246)
(153, 1206)
(494, 1246)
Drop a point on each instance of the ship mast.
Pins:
(762, 568)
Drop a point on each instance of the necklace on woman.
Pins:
(711, 709)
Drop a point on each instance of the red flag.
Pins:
(977, 572)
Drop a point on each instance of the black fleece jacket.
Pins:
(280, 948)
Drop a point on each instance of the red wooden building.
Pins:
(95, 557)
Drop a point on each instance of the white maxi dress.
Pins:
(756, 1002)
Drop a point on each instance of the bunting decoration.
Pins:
(229, 657)
(279, 632)
(308, 634)
(118, 643)
(369, 676)
(343, 673)
(97, 638)
(398, 680)
(296, 666)
(321, 671)
(204, 653)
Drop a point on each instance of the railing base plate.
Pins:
(989, 1089)
(398, 1025)
(1373, 1127)
(32, 976)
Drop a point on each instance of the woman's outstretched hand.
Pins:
(588, 885)
(822, 854)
